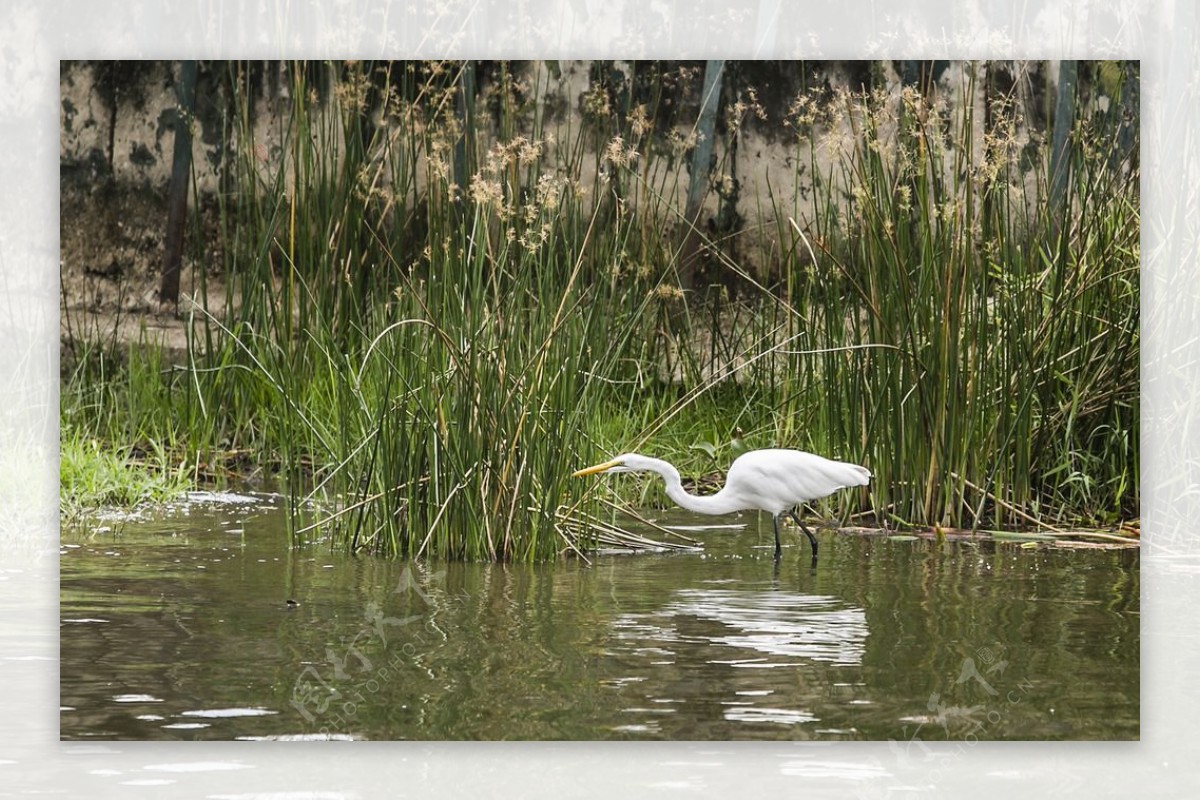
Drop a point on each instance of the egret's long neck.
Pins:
(716, 504)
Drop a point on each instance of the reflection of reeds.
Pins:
(438, 334)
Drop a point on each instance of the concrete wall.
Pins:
(117, 136)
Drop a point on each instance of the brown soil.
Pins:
(111, 253)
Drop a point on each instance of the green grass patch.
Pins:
(96, 475)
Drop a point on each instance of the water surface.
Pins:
(201, 623)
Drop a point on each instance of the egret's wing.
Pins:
(780, 479)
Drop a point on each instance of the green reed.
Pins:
(992, 370)
(431, 352)
(427, 329)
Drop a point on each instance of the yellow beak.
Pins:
(599, 468)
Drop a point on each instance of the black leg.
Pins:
(811, 539)
(775, 523)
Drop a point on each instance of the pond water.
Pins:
(201, 623)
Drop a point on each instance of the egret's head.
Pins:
(625, 463)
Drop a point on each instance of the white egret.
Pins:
(774, 480)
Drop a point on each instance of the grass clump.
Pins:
(97, 475)
(432, 349)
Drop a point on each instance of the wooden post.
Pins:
(706, 129)
(180, 178)
(1064, 120)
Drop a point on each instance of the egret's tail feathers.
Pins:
(862, 475)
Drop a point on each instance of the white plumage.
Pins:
(774, 480)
